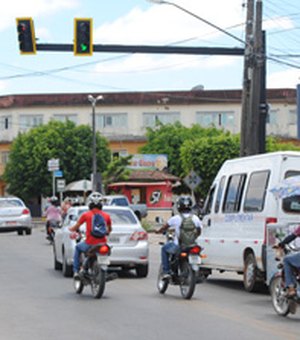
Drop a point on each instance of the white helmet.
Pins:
(95, 198)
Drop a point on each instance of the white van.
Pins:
(237, 210)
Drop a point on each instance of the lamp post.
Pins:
(163, 2)
(93, 101)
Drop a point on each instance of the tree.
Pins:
(117, 170)
(168, 139)
(206, 155)
(27, 173)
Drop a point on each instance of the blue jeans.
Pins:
(81, 247)
(166, 250)
(289, 262)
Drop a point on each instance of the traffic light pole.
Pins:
(146, 49)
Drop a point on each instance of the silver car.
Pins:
(129, 241)
(15, 216)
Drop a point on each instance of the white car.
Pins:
(15, 216)
(129, 241)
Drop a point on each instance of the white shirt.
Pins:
(175, 222)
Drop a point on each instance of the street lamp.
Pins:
(93, 101)
(163, 2)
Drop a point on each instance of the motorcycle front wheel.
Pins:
(78, 285)
(98, 280)
(280, 302)
(187, 280)
(162, 284)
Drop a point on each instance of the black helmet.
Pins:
(184, 204)
(95, 200)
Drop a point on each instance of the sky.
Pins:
(141, 22)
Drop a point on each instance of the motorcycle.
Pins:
(94, 264)
(184, 267)
(282, 304)
(51, 227)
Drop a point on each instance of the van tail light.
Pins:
(104, 249)
(26, 211)
(139, 236)
(268, 220)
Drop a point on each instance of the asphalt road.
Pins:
(37, 302)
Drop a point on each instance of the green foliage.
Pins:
(117, 171)
(274, 144)
(206, 155)
(27, 173)
(168, 139)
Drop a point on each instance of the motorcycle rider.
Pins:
(290, 261)
(95, 202)
(184, 206)
(53, 215)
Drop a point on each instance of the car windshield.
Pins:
(10, 203)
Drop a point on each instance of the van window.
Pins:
(256, 191)
(291, 204)
(234, 191)
(219, 194)
(209, 200)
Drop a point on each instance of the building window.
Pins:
(5, 123)
(4, 157)
(292, 117)
(65, 117)
(218, 119)
(29, 121)
(272, 117)
(119, 153)
(151, 119)
(114, 120)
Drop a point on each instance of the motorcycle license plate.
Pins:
(104, 260)
(194, 259)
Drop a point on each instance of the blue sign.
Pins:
(58, 173)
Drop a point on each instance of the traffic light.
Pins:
(83, 43)
(26, 36)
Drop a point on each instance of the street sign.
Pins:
(58, 173)
(192, 180)
(61, 184)
(53, 164)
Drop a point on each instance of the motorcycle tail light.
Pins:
(139, 236)
(195, 250)
(183, 254)
(104, 250)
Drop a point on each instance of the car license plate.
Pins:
(11, 223)
(194, 259)
(114, 239)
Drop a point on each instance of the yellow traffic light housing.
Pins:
(26, 36)
(83, 36)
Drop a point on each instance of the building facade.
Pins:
(124, 117)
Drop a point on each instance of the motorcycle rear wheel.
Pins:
(98, 280)
(280, 302)
(187, 280)
(162, 284)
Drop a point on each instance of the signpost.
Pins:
(192, 180)
(53, 165)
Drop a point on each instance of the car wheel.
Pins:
(57, 265)
(142, 270)
(28, 231)
(66, 268)
(20, 232)
(251, 282)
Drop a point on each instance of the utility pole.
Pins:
(246, 79)
(255, 87)
(251, 130)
